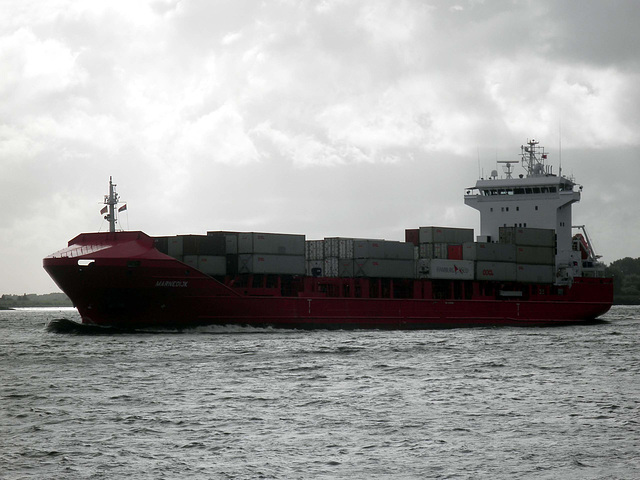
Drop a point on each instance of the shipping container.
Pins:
(412, 235)
(331, 266)
(454, 252)
(434, 250)
(314, 249)
(497, 271)
(541, 237)
(489, 252)
(445, 235)
(207, 264)
(161, 244)
(385, 268)
(315, 268)
(175, 247)
(535, 273)
(271, 243)
(339, 247)
(231, 240)
(203, 245)
(384, 249)
(443, 269)
(212, 264)
(191, 260)
(275, 264)
(345, 267)
(535, 255)
(232, 264)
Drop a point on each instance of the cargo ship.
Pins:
(527, 267)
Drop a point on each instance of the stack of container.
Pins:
(493, 261)
(440, 252)
(535, 253)
(271, 253)
(205, 253)
(231, 249)
(338, 257)
(314, 256)
(383, 258)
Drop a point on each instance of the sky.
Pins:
(328, 118)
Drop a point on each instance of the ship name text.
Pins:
(171, 283)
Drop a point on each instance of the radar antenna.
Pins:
(508, 167)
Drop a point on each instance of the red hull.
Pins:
(129, 284)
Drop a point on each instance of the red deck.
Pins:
(121, 280)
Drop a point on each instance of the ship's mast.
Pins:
(111, 200)
(533, 159)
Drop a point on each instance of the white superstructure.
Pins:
(536, 199)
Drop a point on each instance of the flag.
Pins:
(104, 210)
(122, 208)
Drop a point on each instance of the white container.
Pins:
(437, 268)
(434, 250)
(315, 268)
(535, 273)
(271, 264)
(489, 252)
(339, 247)
(445, 235)
(331, 266)
(314, 249)
(496, 271)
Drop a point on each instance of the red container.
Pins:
(454, 252)
(412, 235)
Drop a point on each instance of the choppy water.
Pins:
(495, 403)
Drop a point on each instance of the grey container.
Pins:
(230, 238)
(203, 245)
(208, 264)
(438, 268)
(384, 268)
(542, 237)
(345, 267)
(271, 264)
(383, 249)
(496, 271)
(535, 255)
(445, 235)
(489, 252)
(535, 273)
(174, 246)
(271, 243)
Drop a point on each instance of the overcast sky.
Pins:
(328, 118)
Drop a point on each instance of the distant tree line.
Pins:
(626, 280)
(33, 300)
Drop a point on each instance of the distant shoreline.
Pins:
(11, 302)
